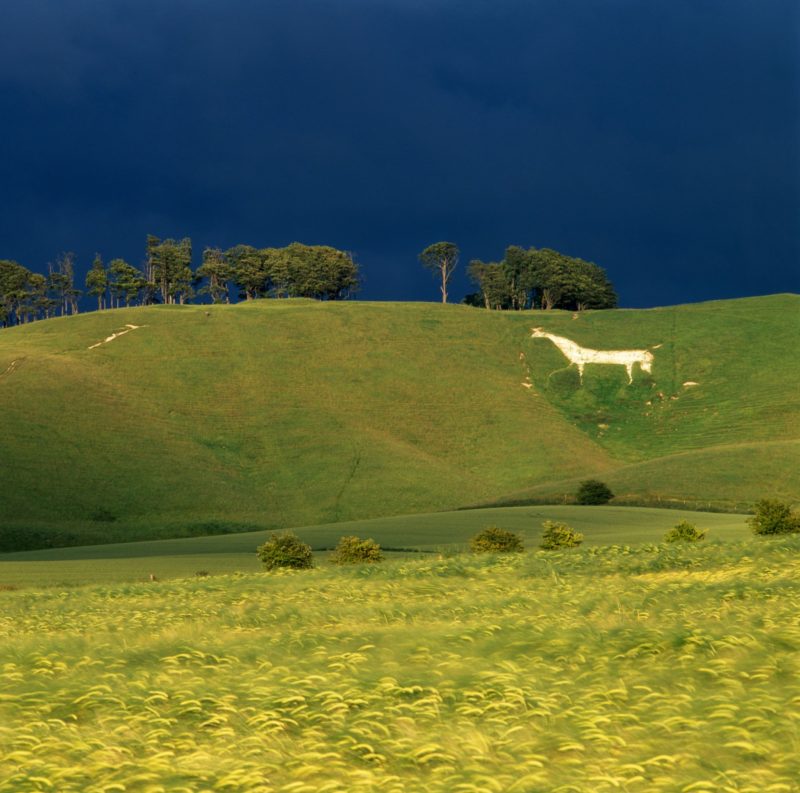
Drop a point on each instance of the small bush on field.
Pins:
(774, 517)
(495, 540)
(684, 532)
(593, 491)
(285, 549)
(202, 573)
(103, 515)
(354, 550)
(559, 535)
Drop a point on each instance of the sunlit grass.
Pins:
(602, 669)
(273, 414)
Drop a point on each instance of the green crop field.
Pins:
(647, 669)
(437, 533)
(286, 413)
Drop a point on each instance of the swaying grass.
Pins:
(595, 670)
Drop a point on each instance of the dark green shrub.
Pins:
(559, 535)
(103, 515)
(285, 549)
(774, 517)
(354, 550)
(495, 540)
(684, 532)
(593, 491)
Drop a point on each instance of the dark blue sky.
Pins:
(659, 139)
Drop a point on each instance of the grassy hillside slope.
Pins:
(278, 413)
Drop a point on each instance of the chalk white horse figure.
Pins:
(580, 356)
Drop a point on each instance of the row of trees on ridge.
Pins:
(242, 272)
(525, 278)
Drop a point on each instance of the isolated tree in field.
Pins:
(493, 539)
(441, 259)
(285, 549)
(593, 491)
(559, 535)
(97, 281)
(774, 517)
(355, 550)
(684, 532)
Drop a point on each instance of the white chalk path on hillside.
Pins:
(107, 339)
(580, 356)
(12, 367)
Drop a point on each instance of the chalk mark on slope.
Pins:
(116, 335)
(12, 367)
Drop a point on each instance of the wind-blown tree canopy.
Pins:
(491, 280)
(520, 274)
(525, 278)
(317, 271)
(567, 282)
(297, 270)
(61, 281)
(125, 282)
(97, 281)
(218, 272)
(441, 258)
(15, 288)
(38, 302)
(591, 287)
(248, 270)
(542, 278)
(171, 263)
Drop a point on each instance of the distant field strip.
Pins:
(438, 533)
(647, 670)
(705, 478)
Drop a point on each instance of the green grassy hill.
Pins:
(279, 413)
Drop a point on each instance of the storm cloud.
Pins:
(661, 140)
